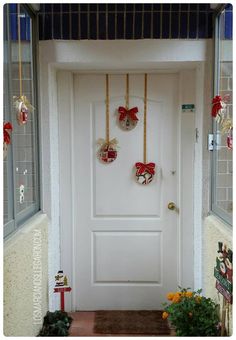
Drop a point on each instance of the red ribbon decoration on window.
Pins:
(128, 112)
(217, 106)
(6, 135)
(142, 167)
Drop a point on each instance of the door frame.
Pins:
(60, 239)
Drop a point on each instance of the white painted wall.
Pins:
(122, 54)
(20, 266)
(115, 56)
(49, 173)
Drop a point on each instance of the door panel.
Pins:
(125, 239)
(116, 180)
(127, 262)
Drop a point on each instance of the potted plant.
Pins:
(192, 314)
(56, 324)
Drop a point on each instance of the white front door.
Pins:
(125, 239)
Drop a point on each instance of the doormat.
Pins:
(130, 322)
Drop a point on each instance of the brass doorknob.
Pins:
(172, 206)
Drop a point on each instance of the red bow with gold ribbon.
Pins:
(217, 105)
(7, 138)
(142, 167)
(128, 112)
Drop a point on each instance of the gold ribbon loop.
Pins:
(107, 109)
(19, 49)
(145, 121)
(127, 92)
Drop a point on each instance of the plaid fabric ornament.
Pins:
(108, 148)
(108, 151)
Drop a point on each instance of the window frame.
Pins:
(19, 218)
(222, 214)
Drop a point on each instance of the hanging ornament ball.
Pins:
(144, 172)
(127, 124)
(22, 115)
(107, 153)
(127, 118)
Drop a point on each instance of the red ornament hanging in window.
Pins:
(7, 128)
(21, 103)
(220, 113)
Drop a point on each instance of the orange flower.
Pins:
(176, 297)
(165, 315)
(189, 294)
(170, 296)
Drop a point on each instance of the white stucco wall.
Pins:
(25, 254)
(214, 231)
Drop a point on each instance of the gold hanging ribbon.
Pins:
(127, 92)
(145, 121)
(19, 49)
(107, 109)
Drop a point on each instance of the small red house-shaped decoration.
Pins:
(223, 271)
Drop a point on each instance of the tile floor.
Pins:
(83, 322)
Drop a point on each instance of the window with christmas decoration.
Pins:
(20, 144)
(222, 116)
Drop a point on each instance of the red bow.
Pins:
(217, 106)
(7, 137)
(128, 112)
(141, 168)
(216, 99)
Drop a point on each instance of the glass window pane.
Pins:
(21, 191)
(24, 134)
(7, 170)
(222, 153)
